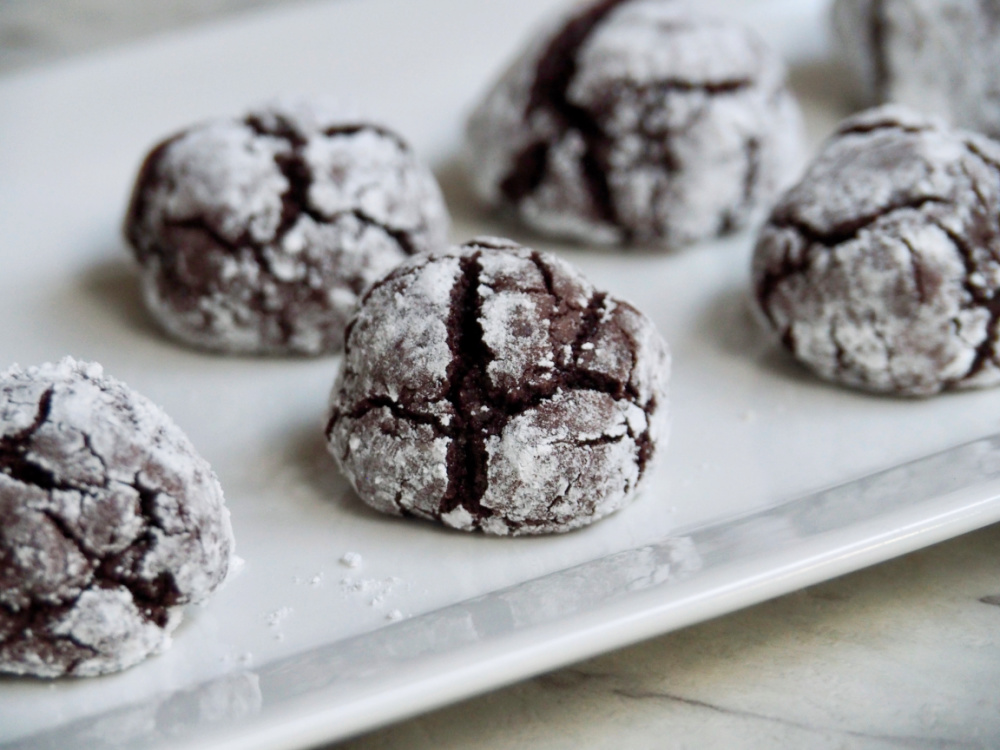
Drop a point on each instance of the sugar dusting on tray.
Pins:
(376, 593)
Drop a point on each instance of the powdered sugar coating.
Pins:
(881, 268)
(491, 387)
(938, 56)
(109, 523)
(259, 234)
(638, 122)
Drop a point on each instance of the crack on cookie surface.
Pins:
(554, 74)
(878, 29)
(476, 417)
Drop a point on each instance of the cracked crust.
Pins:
(492, 388)
(637, 122)
(258, 234)
(938, 56)
(881, 269)
(109, 523)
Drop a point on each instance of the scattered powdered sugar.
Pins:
(278, 616)
(275, 620)
(373, 590)
(242, 658)
(109, 523)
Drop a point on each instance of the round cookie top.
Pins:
(109, 522)
(881, 269)
(491, 387)
(258, 234)
(938, 56)
(637, 122)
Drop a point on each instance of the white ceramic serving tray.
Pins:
(300, 648)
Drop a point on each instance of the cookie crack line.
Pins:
(367, 405)
(41, 416)
(467, 456)
(295, 201)
(39, 613)
(878, 29)
(293, 166)
(973, 148)
(179, 281)
(287, 131)
(845, 231)
(555, 71)
(470, 389)
(576, 378)
(35, 617)
(865, 128)
(827, 240)
(102, 566)
(400, 236)
(986, 351)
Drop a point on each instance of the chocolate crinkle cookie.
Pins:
(258, 234)
(109, 523)
(637, 122)
(938, 56)
(491, 387)
(881, 268)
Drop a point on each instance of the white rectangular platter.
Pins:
(299, 648)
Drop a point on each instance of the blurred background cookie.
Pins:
(937, 56)
(258, 234)
(637, 122)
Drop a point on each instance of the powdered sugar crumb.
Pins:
(374, 591)
(278, 616)
(351, 560)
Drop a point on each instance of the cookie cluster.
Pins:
(490, 387)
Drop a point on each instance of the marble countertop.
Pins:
(905, 654)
